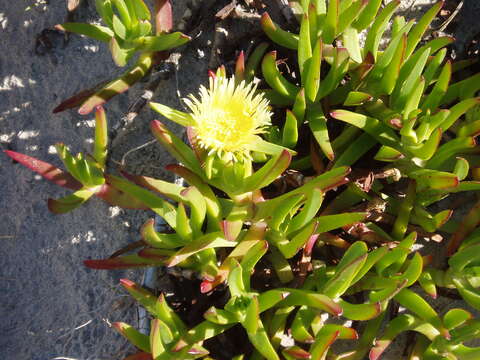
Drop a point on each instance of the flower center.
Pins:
(228, 117)
(226, 129)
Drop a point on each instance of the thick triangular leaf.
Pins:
(46, 170)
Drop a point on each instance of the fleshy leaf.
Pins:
(122, 262)
(209, 241)
(279, 36)
(48, 171)
(96, 32)
(117, 86)
(69, 202)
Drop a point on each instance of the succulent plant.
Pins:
(128, 31)
(288, 221)
(84, 175)
(376, 139)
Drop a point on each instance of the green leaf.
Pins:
(462, 89)
(157, 347)
(328, 180)
(460, 260)
(395, 48)
(429, 147)
(159, 240)
(267, 173)
(355, 98)
(413, 271)
(157, 204)
(456, 317)
(304, 48)
(138, 339)
(301, 324)
(352, 43)
(417, 32)
(343, 277)
(119, 85)
(331, 22)
(318, 126)
(359, 147)
(270, 298)
(346, 270)
(157, 307)
(290, 130)
(69, 161)
(449, 150)
(469, 129)
(461, 168)
(104, 9)
(383, 134)
(367, 15)
(378, 28)
(348, 14)
(388, 154)
(277, 35)
(208, 241)
(406, 85)
(336, 74)
(176, 147)
(252, 317)
(198, 207)
(101, 137)
(372, 258)
(422, 309)
(401, 222)
(428, 285)
(261, 342)
(69, 202)
(220, 317)
(144, 28)
(312, 81)
(96, 32)
(392, 70)
(280, 265)
(433, 66)
(325, 338)
(300, 106)
(309, 210)
(161, 42)
(141, 10)
(360, 312)
(396, 326)
(310, 298)
(410, 110)
(291, 248)
(331, 222)
(176, 116)
(124, 262)
(211, 201)
(120, 30)
(275, 79)
(183, 228)
(458, 110)
(434, 99)
(123, 12)
(170, 190)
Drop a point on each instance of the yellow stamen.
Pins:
(227, 118)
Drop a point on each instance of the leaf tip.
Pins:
(125, 282)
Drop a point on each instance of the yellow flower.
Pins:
(227, 118)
